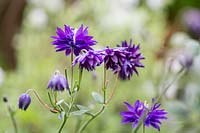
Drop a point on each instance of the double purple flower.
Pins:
(132, 60)
(70, 39)
(124, 59)
(139, 112)
(89, 60)
(113, 58)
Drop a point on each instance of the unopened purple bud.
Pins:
(24, 101)
(58, 82)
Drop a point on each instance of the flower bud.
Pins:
(58, 82)
(24, 101)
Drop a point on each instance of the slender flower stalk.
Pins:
(51, 101)
(84, 126)
(175, 78)
(67, 114)
(72, 70)
(113, 90)
(80, 78)
(62, 125)
(104, 85)
(143, 128)
(42, 102)
(91, 119)
(12, 114)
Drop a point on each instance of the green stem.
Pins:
(83, 127)
(176, 78)
(137, 128)
(41, 101)
(62, 126)
(143, 128)
(72, 69)
(104, 85)
(80, 78)
(67, 80)
(12, 118)
(50, 99)
(55, 97)
(90, 120)
(67, 115)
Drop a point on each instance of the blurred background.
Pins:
(168, 32)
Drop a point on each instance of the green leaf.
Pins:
(61, 115)
(79, 112)
(81, 107)
(97, 97)
(60, 102)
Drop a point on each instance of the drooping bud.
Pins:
(24, 101)
(58, 82)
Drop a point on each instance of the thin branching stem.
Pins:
(84, 126)
(176, 78)
(72, 69)
(63, 123)
(90, 120)
(113, 90)
(143, 128)
(12, 113)
(41, 101)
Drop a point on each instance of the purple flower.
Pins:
(154, 117)
(58, 82)
(89, 60)
(139, 112)
(24, 101)
(132, 60)
(134, 113)
(69, 39)
(113, 57)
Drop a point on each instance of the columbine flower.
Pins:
(132, 60)
(113, 57)
(134, 113)
(89, 60)
(139, 112)
(24, 101)
(154, 117)
(69, 39)
(58, 82)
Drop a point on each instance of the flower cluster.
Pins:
(123, 59)
(140, 112)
